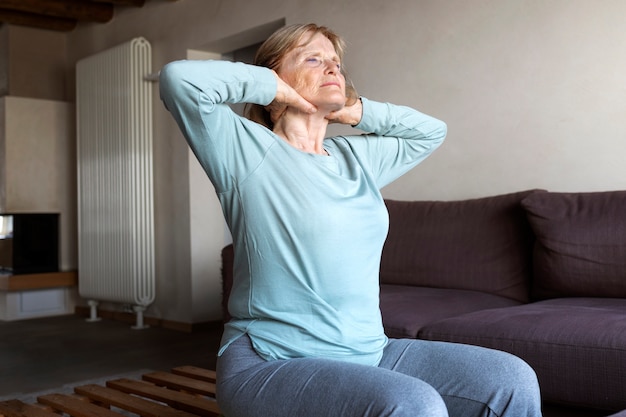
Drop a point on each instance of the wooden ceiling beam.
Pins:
(134, 3)
(37, 21)
(69, 9)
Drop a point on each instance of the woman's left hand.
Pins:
(350, 114)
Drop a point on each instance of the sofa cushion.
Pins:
(406, 309)
(620, 414)
(576, 345)
(581, 243)
(482, 244)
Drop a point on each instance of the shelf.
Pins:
(38, 281)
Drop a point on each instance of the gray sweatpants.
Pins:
(415, 378)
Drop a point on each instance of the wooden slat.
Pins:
(180, 383)
(185, 392)
(75, 407)
(196, 373)
(143, 407)
(180, 400)
(16, 408)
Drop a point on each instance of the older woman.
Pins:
(308, 225)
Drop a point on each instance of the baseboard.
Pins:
(128, 317)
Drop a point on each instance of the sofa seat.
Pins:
(576, 345)
(406, 308)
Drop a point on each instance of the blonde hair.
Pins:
(271, 53)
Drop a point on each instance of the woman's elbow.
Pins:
(170, 74)
(439, 135)
(170, 78)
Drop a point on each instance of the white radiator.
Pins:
(115, 177)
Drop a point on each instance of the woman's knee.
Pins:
(520, 374)
(518, 388)
(408, 398)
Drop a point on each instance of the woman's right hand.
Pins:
(286, 96)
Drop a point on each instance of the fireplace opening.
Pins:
(29, 243)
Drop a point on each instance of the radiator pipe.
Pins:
(139, 324)
(93, 311)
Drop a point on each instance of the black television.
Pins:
(29, 243)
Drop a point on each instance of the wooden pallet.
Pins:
(186, 391)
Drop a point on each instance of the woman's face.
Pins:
(314, 71)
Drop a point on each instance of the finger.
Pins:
(307, 107)
(296, 101)
(287, 95)
(333, 117)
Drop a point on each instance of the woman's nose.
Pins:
(331, 66)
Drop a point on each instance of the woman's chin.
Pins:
(331, 106)
(330, 102)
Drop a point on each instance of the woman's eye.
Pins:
(314, 62)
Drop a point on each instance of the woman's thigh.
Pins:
(473, 381)
(249, 386)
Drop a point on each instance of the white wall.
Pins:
(534, 94)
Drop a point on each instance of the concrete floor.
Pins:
(42, 354)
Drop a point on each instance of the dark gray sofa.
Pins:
(538, 274)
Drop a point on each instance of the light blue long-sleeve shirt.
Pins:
(308, 229)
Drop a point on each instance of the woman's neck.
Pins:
(305, 132)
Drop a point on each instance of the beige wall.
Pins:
(37, 151)
(33, 63)
(534, 94)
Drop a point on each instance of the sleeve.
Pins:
(399, 138)
(197, 94)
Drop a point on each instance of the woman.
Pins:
(308, 225)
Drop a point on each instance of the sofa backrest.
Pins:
(228, 260)
(482, 244)
(581, 244)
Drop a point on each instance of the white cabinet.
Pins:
(37, 295)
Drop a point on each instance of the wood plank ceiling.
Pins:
(60, 15)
